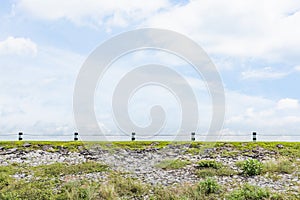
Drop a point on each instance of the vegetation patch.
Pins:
(291, 149)
(209, 186)
(207, 172)
(209, 164)
(60, 169)
(252, 167)
(250, 192)
(128, 187)
(139, 145)
(209, 168)
(172, 164)
(34, 145)
(281, 165)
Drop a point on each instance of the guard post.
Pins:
(193, 136)
(75, 136)
(20, 136)
(133, 136)
(254, 136)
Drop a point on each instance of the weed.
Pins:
(207, 172)
(59, 169)
(252, 167)
(281, 165)
(250, 192)
(128, 186)
(209, 164)
(209, 186)
(172, 164)
(79, 190)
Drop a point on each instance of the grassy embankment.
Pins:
(46, 181)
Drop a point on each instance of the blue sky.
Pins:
(255, 46)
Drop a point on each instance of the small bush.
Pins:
(252, 167)
(209, 186)
(250, 192)
(128, 186)
(209, 164)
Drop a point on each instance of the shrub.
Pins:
(209, 186)
(209, 164)
(252, 167)
(250, 192)
(128, 186)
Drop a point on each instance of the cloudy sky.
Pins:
(255, 46)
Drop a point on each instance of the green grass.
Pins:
(208, 168)
(54, 170)
(207, 172)
(281, 165)
(60, 169)
(209, 164)
(291, 149)
(250, 192)
(209, 186)
(45, 188)
(47, 184)
(71, 146)
(172, 164)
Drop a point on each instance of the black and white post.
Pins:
(254, 136)
(132, 136)
(193, 136)
(20, 136)
(75, 136)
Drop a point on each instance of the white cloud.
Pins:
(297, 68)
(36, 94)
(117, 13)
(269, 118)
(245, 29)
(288, 104)
(264, 73)
(18, 46)
(252, 29)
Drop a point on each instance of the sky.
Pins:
(255, 46)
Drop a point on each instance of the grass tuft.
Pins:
(172, 164)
